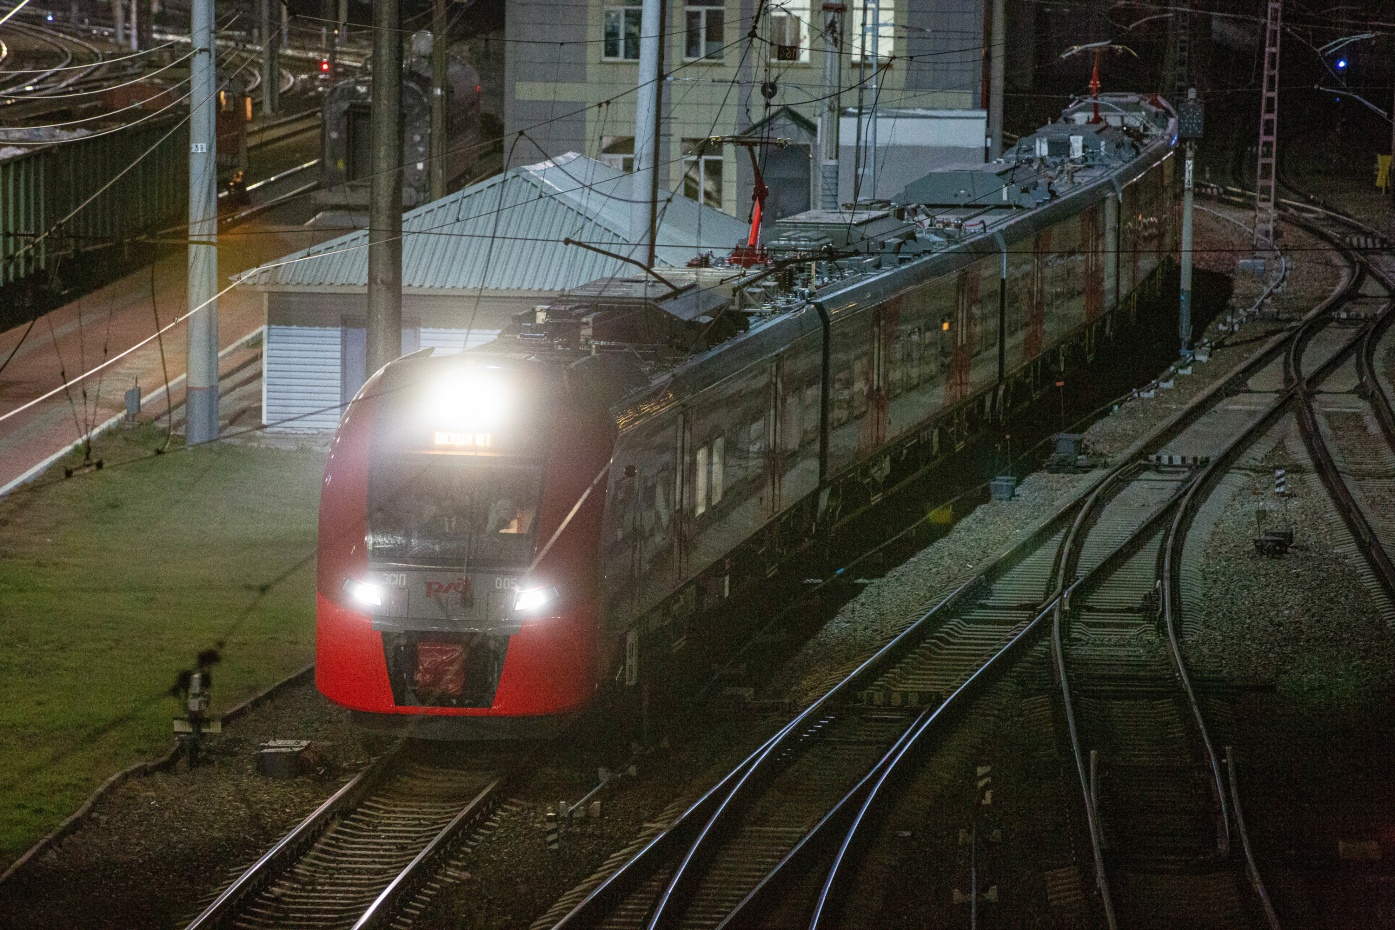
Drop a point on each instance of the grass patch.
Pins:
(110, 584)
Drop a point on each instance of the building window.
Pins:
(881, 30)
(618, 152)
(702, 174)
(621, 22)
(789, 30)
(706, 21)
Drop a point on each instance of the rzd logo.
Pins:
(460, 586)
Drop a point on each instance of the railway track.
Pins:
(743, 854)
(1164, 815)
(789, 837)
(370, 855)
(63, 76)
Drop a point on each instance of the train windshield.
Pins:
(461, 512)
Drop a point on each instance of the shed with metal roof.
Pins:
(471, 261)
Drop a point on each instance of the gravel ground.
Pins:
(1263, 620)
(156, 844)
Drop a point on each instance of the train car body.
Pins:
(681, 446)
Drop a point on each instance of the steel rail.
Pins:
(389, 904)
(1296, 391)
(293, 845)
(661, 849)
(245, 900)
(1251, 867)
(1353, 515)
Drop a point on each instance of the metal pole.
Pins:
(1266, 171)
(997, 65)
(118, 15)
(135, 26)
(1185, 310)
(876, 16)
(439, 89)
(647, 119)
(861, 85)
(833, 86)
(385, 190)
(330, 11)
(146, 33)
(201, 399)
(285, 27)
(270, 78)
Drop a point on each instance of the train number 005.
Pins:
(502, 582)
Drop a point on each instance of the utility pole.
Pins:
(385, 190)
(118, 15)
(271, 60)
(876, 13)
(329, 10)
(1268, 131)
(1189, 129)
(648, 120)
(997, 68)
(833, 44)
(135, 26)
(146, 33)
(201, 386)
(439, 89)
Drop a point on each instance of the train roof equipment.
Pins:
(666, 328)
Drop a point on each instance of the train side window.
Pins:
(700, 482)
(719, 466)
(755, 442)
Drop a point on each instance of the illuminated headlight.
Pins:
(370, 595)
(531, 599)
(474, 400)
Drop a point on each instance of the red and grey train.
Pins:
(508, 532)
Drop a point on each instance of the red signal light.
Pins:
(324, 65)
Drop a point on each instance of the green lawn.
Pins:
(111, 582)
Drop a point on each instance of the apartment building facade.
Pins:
(735, 67)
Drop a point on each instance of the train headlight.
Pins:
(528, 600)
(369, 595)
(472, 400)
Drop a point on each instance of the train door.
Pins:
(883, 325)
(962, 337)
(682, 494)
(1036, 312)
(1111, 251)
(1094, 271)
(775, 456)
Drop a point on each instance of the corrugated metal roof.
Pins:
(505, 234)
